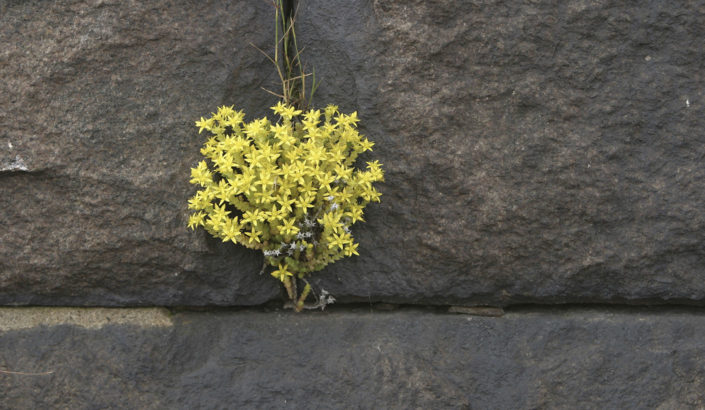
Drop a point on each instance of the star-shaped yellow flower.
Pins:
(282, 273)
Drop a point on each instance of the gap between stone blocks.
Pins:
(22, 317)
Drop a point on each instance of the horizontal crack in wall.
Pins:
(490, 311)
(18, 318)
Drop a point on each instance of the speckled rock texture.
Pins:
(582, 359)
(97, 105)
(541, 151)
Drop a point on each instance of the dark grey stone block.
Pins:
(591, 358)
(535, 152)
(97, 136)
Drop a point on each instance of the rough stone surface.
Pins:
(524, 360)
(98, 101)
(541, 151)
(537, 151)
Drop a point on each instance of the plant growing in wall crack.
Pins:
(290, 186)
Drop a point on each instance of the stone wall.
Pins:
(536, 152)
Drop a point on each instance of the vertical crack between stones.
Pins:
(289, 7)
(289, 18)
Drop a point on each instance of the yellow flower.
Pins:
(203, 124)
(277, 214)
(366, 145)
(263, 197)
(285, 203)
(224, 162)
(254, 157)
(337, 153)
(303, 202)
(343, 197)
(287, 170)
(201, 175)
(225, 112)
(316, 154)
(224, 191)
(253, 216)
(349, 120)
(325, 182)
(196, 220)
(307, 189)
(253, 234)
(374, 195)
(287, 139)
(310, 121)
(371, 194)
(329, 128)
(351, 249)
(374, 166)
(330, 219)
(330, 111)
(282, 273)
(290, 112)
(279, 108)
(219, 212)
(338, 240)
(200, 201)
(312, 115)
(355, 213)
(280, 131)
(343, 172)
(231, 230)
(288, 227)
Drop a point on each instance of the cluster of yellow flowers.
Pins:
(288, 188)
